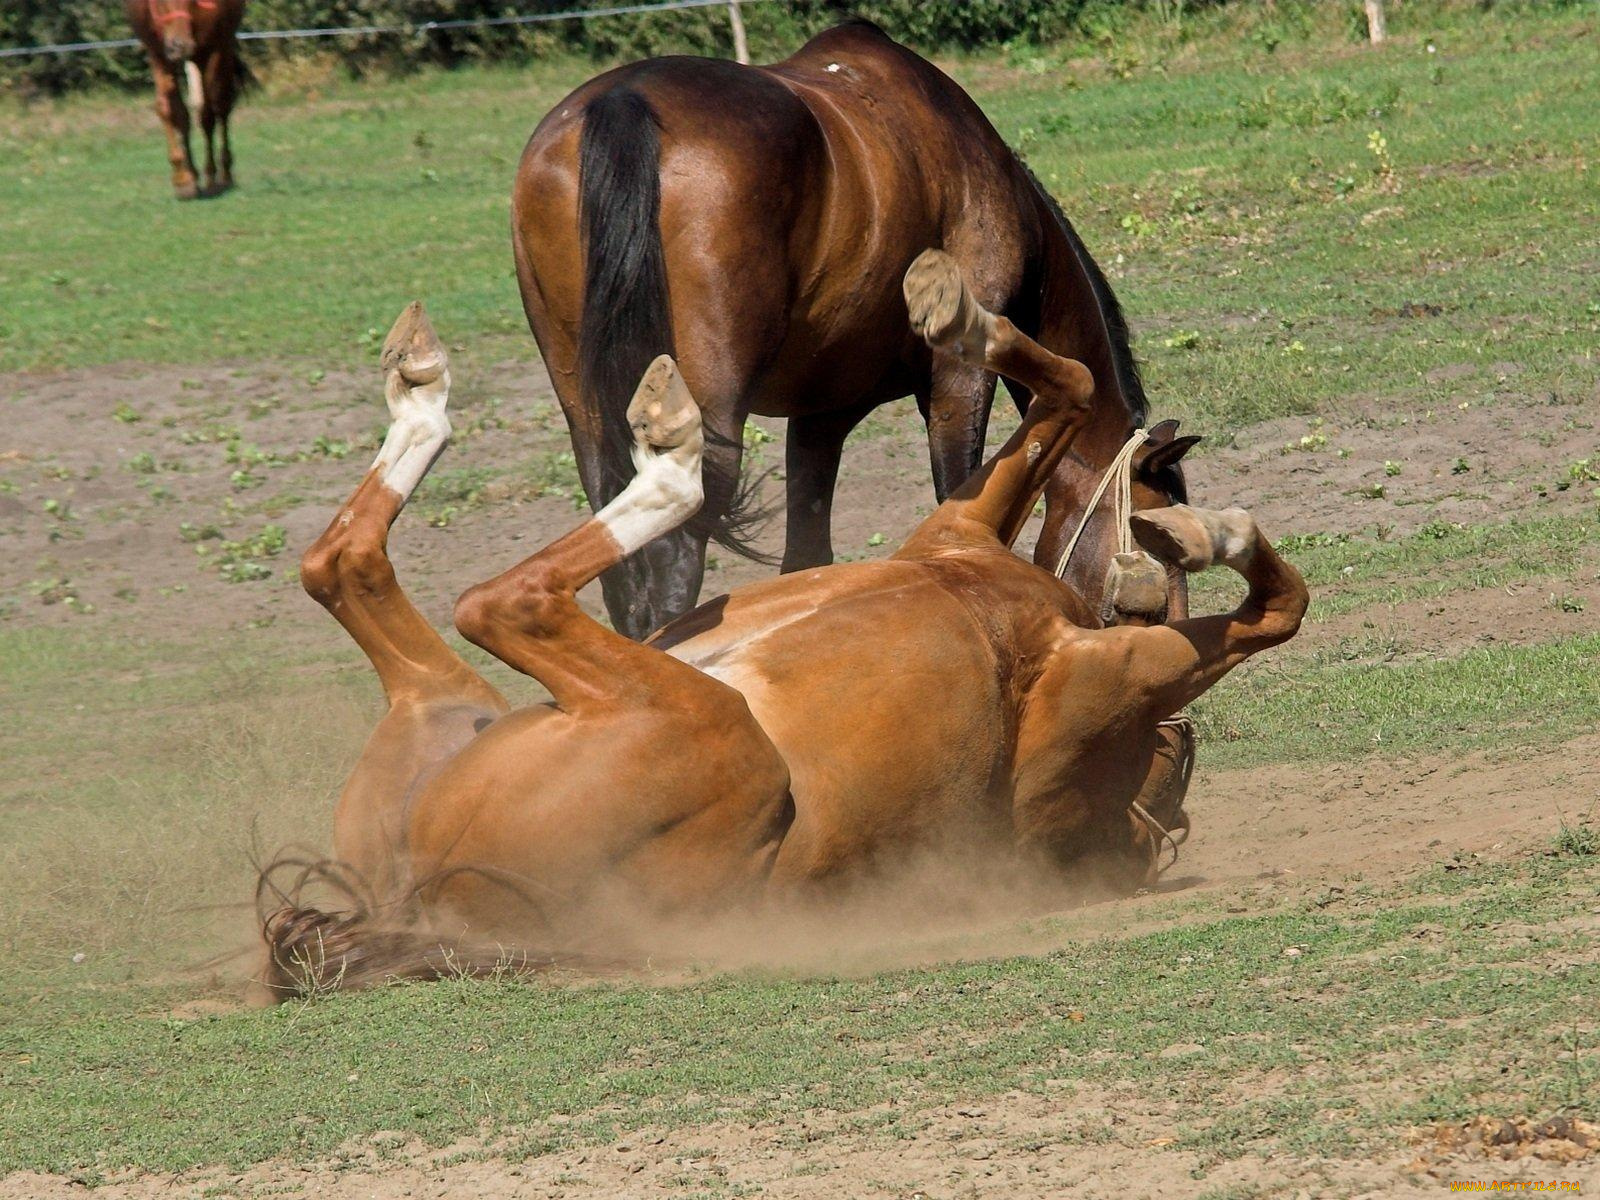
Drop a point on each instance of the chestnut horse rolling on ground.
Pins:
(775, 742)
(195, 39)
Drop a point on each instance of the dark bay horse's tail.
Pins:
(626, 320)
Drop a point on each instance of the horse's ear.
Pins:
(1166, 455)
(1163, 433)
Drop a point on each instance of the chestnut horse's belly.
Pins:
(883, 695)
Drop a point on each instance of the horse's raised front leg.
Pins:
(995, 502)
(1091, 745)
(1170, 665)
(437, 702)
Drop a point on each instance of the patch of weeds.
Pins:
(207, 434)
(1577, 841)
(1567, 603)
(1315, 440)
(1584, 470)
(191, 532)
(326, 447)
(1137, 224)
(56, 591)
(126, 413)
(1371, 491)
(1390, 467)
(240, 561)
(1320, 105)
(1306, 541)
(1183, 339)
(1460, 467)
(558, 476)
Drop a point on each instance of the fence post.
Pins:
(1376, 31)
(741, 47)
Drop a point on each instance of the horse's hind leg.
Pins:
(529, 617)
(681, 774)
(216, 89)
(437, 702)
(997, 499)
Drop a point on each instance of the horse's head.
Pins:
(174, 21)
(1080, 534)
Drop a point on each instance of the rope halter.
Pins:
(1120, 470)
(1163, 840)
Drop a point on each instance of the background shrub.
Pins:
(775, 27)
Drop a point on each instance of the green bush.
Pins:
(775, 27)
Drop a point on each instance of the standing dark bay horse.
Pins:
(755, 222)
(196, 39)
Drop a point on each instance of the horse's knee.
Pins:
(1282, 618)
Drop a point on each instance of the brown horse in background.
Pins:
(198, 40)
(755, 222)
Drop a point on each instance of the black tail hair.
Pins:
(626, 318)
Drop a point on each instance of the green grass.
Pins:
(1337, 710)
(1230, 192)
(99, 1084)
(1233, 196)
(1361, 571)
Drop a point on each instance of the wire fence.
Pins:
(576, 14)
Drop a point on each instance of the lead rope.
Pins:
(1121, 471)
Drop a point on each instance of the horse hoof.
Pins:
(662, 413)
(1195, 538)
(413, 348)
(1136, 591)
(943, 311)
(1174, 535)
(186, 191)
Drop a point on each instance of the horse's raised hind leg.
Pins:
(529, 616)
(663, 763)
(437, 703)
(995, 501)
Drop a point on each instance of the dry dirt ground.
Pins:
(112, 536)
(104, 472)
(1012, 1146)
